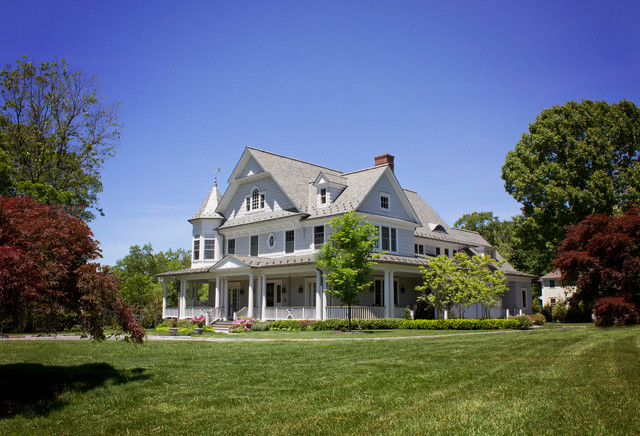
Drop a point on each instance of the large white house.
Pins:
(254, 247)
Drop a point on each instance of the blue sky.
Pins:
(447, 87)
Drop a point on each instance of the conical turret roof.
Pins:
(208, 208)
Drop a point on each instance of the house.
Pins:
(552, 289)
(254, 247)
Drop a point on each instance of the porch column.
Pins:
(250, 303)
(182, 299)
(387, 312)
(217, 300)
(392, 292)
(324, 301)
(318, 295)
(263, 297)
(164, 299)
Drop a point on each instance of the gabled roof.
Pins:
(555, 274)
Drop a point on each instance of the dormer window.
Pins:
(384, 201)
(323, 196)
(255, 201)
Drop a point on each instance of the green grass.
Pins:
(552, 381)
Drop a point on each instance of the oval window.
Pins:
(272, 240)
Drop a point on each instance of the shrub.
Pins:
(537, 319)
(406, 313)
(559, 312)
(241, 325)
(317, 326)
(260, 326)
(524, 322)
(460, 324)
(615, 311)
(285, 324)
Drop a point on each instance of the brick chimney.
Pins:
(384, 159)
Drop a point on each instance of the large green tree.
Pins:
(139, 286)
(575, 160)
(347, 258)
(55, 134)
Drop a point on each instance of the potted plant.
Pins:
(173, 330)
(199, 321)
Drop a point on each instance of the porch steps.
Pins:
(221, 326)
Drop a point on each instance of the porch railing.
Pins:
(297, 313)
(242, 312)
(361, 312)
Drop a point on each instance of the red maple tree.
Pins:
(601, 256)
(46, 273)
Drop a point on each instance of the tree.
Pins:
(139, 286)
(462, 281)
(55, 134)
(439, 283)
(576, 160)
(47, 278)
(347, 258)
(497, 233)
(601, 257)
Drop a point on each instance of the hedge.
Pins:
(421, 324)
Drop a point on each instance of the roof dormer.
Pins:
(327, 188)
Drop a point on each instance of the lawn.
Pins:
(553, 381)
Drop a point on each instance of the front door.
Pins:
(234, 300)
(274, 294)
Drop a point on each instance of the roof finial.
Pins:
(215, 180)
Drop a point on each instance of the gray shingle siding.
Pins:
(371, 203)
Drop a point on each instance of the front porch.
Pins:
(298, 313)
(281, 293)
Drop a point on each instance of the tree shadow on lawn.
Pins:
(35, 389)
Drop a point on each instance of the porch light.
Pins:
(284, 290)
(241, 291)
(300, 290)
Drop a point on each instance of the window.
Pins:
(437, 251)
(552, 301)
(415, 248)
(289, 241)
(446, 252)
(254, 246)
(524, 298)
(196, 249)
(255, 201)
(388, 239)
(394, 246)
(384, 238)
(323, 196)
(231, 246)
(420, 249)
(552, 283)
(209, 248)
(271, 240)
(318, 236)
(384, 201)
